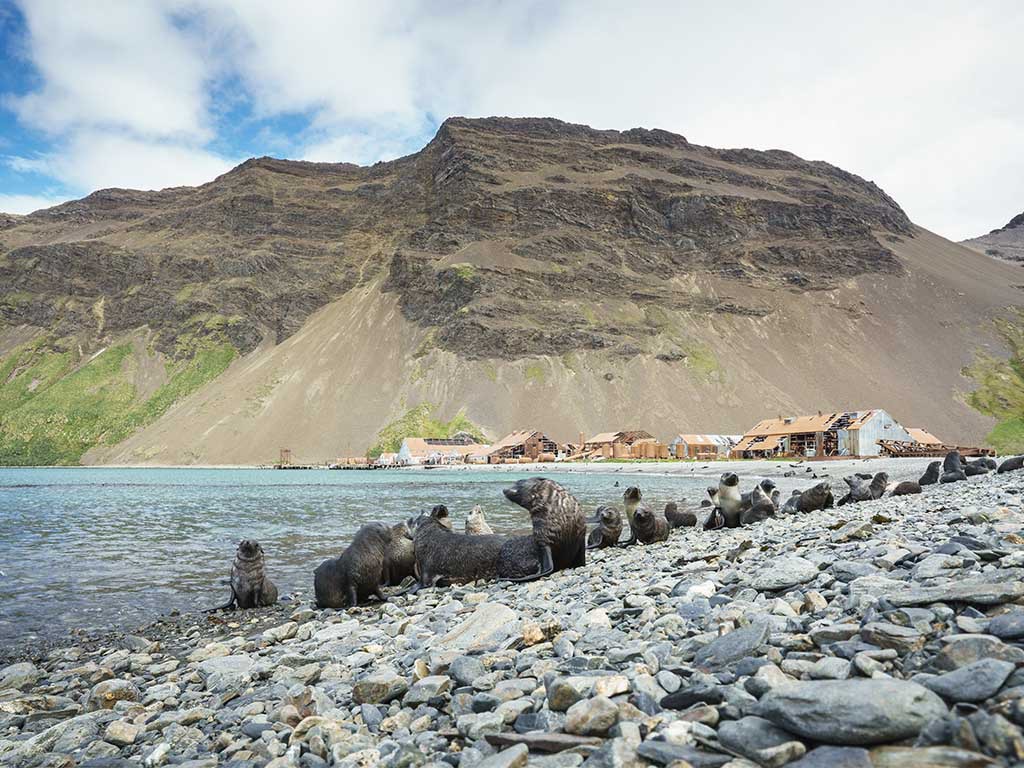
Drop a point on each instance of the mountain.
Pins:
(1006, 243)
(514, 272)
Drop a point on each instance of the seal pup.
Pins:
(931, 475)
(357, 573)
(859, 490)
(440, 513)
(650, 526)
(761, 507)
(250, 587)
(767, 485)
(814, 498)
(608, 530)
(1011, 464)
(906, 488)
(631, 498)
(679, 518)
(729, 498)
(401, 554)
(559, 525)
(476, 524)
(878, 484)
(952, 468)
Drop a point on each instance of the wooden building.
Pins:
(531, 445)
(843, 433)
(619, 445)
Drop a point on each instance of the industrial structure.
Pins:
(843, 433)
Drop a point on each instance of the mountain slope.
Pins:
(530, 271)
(1006, 243)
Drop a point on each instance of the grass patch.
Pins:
(421, 422)
(535, 373)
(52, 412)
(701, 360)
(999, 391)
(464, 270)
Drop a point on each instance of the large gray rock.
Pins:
(379, 687)
(835, 757)
(733, 646)
(961, 650)
(852, 712)
(761, 741)
(489, 625)
(1008, 626)
(971, 591)
(975, 682)
(591, 717)
(106, 694)
(19, 676)
(783, 573)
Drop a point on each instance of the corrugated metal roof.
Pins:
(923, 436)
(713, 440)
(604, 437)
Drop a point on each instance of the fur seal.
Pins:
(931, 475)
(978, 467)
(729, 499)
(630, 501)
(559, 525)
(651, 526)
(906, 488)
(814, 498)
(760, 508)
(952, 468)
(609, 528)
(443, 554)
(859, 490)
(767, 485)
(476, 524)
(356, 574)
(250, 587)
(401, 554)
(1011, 464)
(679, 518)
(440, 513)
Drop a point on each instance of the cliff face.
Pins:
(1006, 243)
(522, 268)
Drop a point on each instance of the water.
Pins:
(88, 548)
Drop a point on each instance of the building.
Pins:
(703, 446)
(532, 445)
(417, 451)
(843, 433)
(386, 460)
(619, 445)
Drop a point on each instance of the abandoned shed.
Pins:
(843, 433)
(616, 444)
(528, 444)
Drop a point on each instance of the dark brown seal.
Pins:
(906, 488)
(444, 555)
(608, 530)
(631, 498)
(1011, 464)
(650, 526)
(559, 525)
(760, 507)
(678, 517)
(355, 575)
(952, 468)
(250, 587)
(931, 475)
(814, 498)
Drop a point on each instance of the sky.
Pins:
(923, 97)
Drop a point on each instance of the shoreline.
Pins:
(649, 653)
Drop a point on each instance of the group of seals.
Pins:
(955, 468)
(864, 487)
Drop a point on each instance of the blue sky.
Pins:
(923, 98)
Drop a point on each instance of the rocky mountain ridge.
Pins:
(603, 271)
(1006, 243)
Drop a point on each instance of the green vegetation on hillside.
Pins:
(1000, 386)
(420, 422)
(52, 411)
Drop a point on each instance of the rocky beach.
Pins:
(885, 633)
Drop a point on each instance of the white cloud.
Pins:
(120, 64)
(27, 203)
(95, 160)
(919, 98)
